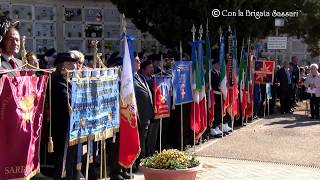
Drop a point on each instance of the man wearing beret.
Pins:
(61, 114)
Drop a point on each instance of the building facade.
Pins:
(72, 24)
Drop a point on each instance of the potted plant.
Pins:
(170, 164)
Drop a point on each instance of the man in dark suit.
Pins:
(284, 77)
(146, 71)
(295, 78)
(215, 83)
(10, 45)
(144, 104)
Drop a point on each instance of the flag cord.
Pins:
(50, 141)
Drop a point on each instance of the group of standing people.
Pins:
(296, 84)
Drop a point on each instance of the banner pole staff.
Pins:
(221, 97)
(160, 146)
(101, 156)
(181, 107)
(105, 160)
(248, 66)
(193, 30)
(268, 106)
(265, 103)
(88, 159)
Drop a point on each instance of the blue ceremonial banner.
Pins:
(182, 92)
(94, 104)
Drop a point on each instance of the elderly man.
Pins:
(312, 84)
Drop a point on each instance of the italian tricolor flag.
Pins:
(198, 109)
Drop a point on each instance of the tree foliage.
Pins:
(171, 21)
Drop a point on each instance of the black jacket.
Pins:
(295, 74)
(282, 78)
(144, 98)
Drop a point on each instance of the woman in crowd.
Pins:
(312, 84)
(32, 60)
(61, 90)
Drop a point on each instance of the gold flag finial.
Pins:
(94, 43)
(23, 50)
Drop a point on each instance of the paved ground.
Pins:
(229, 169)
(279, 147)
(290, 139)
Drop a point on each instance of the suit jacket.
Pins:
(215, 83)
(6, 65)
(282, 78)
(295, 74)
(144, 99)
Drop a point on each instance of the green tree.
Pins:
(171, 21)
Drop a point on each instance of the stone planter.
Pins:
(165, 174)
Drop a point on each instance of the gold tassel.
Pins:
(50, 142)
(50, 145)
(78, 166)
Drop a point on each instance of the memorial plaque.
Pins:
(93, 15)
(112, 31)
(72, 30)
(44, 29)
(22, 12)
(44, 13)
(73, 14)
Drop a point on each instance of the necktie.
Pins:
(12, 63)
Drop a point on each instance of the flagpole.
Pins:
(249, 67)
(265, 103)
(87, 163)
(252, 84)
(161, 117)
(221, 100)
(160, 146)
(200, 38)
(105, 160)
(101, 155)
(268, 107)
(193, 30)
(181, 110)
(221, 97)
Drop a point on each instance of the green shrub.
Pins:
(170, 159)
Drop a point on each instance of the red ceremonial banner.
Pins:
(21, 112)
(264, 71)
(162, 87)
